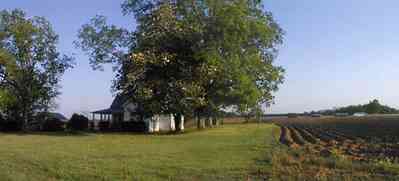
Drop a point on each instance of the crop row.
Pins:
(296, 135)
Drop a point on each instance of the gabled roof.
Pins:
(54, 115)
(58, 116)
(118, 102)
(116, 106)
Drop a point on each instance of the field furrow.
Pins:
(320, 136)
(296, 136)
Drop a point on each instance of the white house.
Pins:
(122, 110)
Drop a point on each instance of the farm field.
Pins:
(366, 148)
(233, 152)
(361, 138)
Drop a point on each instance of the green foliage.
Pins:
(78, 123)
(190, 56)
(30, 65)
(52, 124)
(373, 107)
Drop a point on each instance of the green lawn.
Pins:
(232, 152)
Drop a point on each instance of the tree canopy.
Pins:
(189, 55)
(30, 65)
(373, 107)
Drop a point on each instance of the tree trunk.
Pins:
(179, 122)
(200, 122)
(215, 122)
(24, 125)
(208, 122)
(177, 118)
(203, 124)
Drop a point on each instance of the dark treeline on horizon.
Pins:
(373, 107)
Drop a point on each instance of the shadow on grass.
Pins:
(114, 133)
(55, 134)
(90, 133)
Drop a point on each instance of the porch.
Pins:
(106, 115)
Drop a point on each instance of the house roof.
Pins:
(118, 102)
(116, 106)
(58, 116)
(103, 111)
(55, 115)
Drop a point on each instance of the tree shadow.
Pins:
(53, 134)
(88, 133)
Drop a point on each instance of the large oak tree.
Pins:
(190, 56)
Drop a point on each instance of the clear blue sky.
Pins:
(336, 53)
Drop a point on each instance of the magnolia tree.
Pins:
(30, 66)
(190, 57)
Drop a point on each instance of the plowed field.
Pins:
(366, 138)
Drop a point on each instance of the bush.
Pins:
(8, 125)
(134, 126)
(104, 126)
(52, 124)
(92, 126)
(2, 121)
(116, 126)
(78, 123)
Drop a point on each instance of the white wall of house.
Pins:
(160, 123)
(164, 122)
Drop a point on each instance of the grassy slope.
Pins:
(228, 153)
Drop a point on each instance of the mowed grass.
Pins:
(232, 152)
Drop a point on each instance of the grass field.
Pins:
(234, 152)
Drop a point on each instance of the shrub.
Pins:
(2, 121)
(92, 126)
(104, 126)
(78, 123)
(9, 125)
(134, 126)
(52, 124)
(116, 126)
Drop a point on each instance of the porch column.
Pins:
(181, 126)
(172, 122)
(156, 123)
(150, 125)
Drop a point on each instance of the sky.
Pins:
(335, 53)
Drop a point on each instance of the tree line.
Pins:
(373, 107)
(190, 57)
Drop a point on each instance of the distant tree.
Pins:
(30, 65)
(52, 124)
(190, 56)
(373, 107)
(78, 123)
